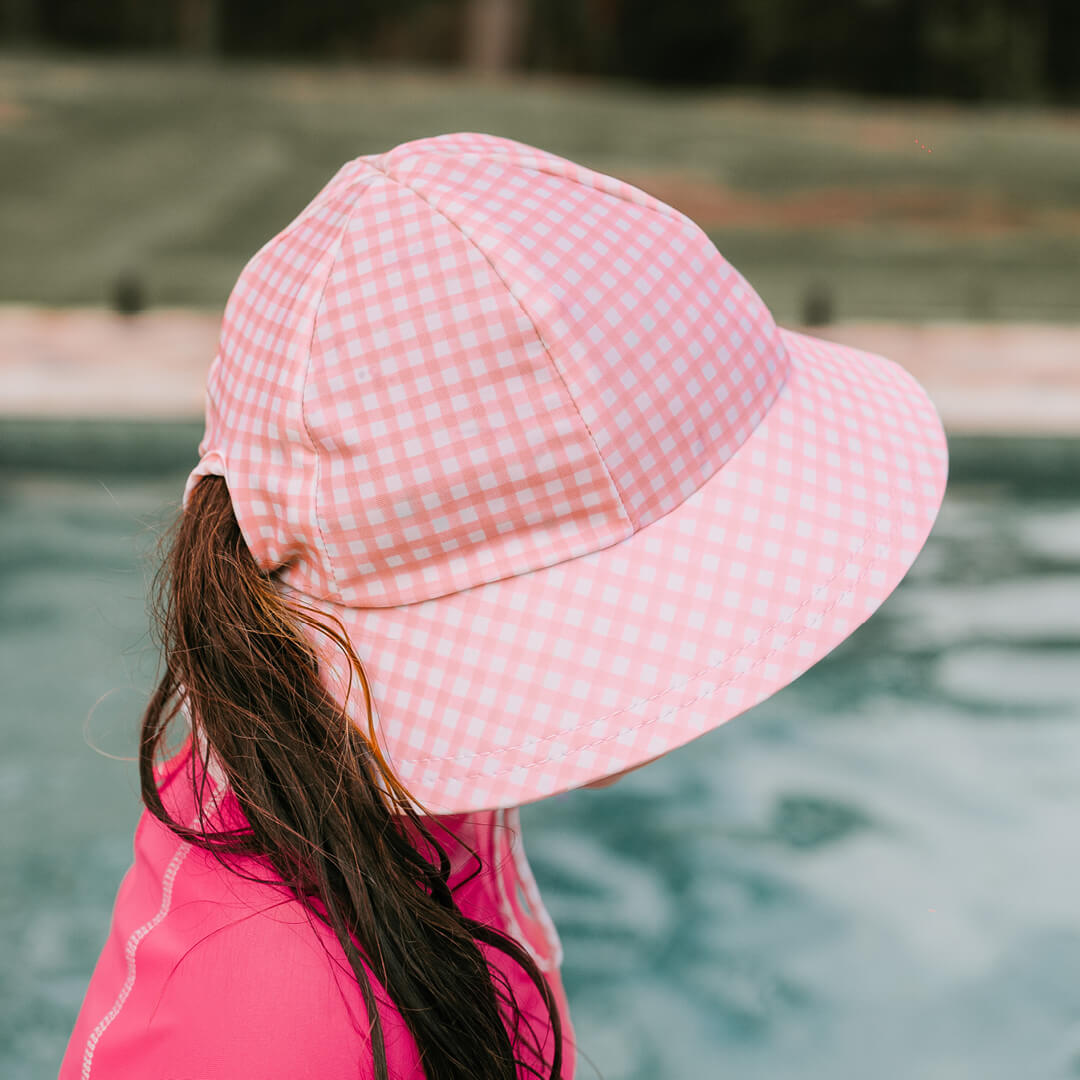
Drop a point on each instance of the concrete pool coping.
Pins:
(89, 386)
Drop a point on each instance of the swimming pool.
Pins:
(873, 873)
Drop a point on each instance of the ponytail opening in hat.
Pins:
(321, 807)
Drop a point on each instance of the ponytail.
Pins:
(322, 806)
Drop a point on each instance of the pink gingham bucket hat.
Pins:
(545, 454)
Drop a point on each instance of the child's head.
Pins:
(549, 460)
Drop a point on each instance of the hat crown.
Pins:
(468, 358)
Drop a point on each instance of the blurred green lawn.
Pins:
(181, 171)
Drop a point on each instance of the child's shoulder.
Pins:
(206, 973)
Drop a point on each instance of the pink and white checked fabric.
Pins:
(546, 455)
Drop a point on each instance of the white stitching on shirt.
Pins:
(129, 953)
(133, 943)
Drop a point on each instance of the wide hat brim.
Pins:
(532, 685)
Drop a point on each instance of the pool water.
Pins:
(872, 874)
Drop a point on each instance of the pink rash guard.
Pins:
(207, 976)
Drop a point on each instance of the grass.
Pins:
(181, 171)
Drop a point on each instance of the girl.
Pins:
(510, 484)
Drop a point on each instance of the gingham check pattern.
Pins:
(547, 456)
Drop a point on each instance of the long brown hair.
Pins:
(307, 780)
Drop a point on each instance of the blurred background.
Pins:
(874, 872)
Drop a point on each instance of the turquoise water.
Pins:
(872, 874)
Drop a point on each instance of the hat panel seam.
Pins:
(575, 172)
(536, 330)
(318, 302)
